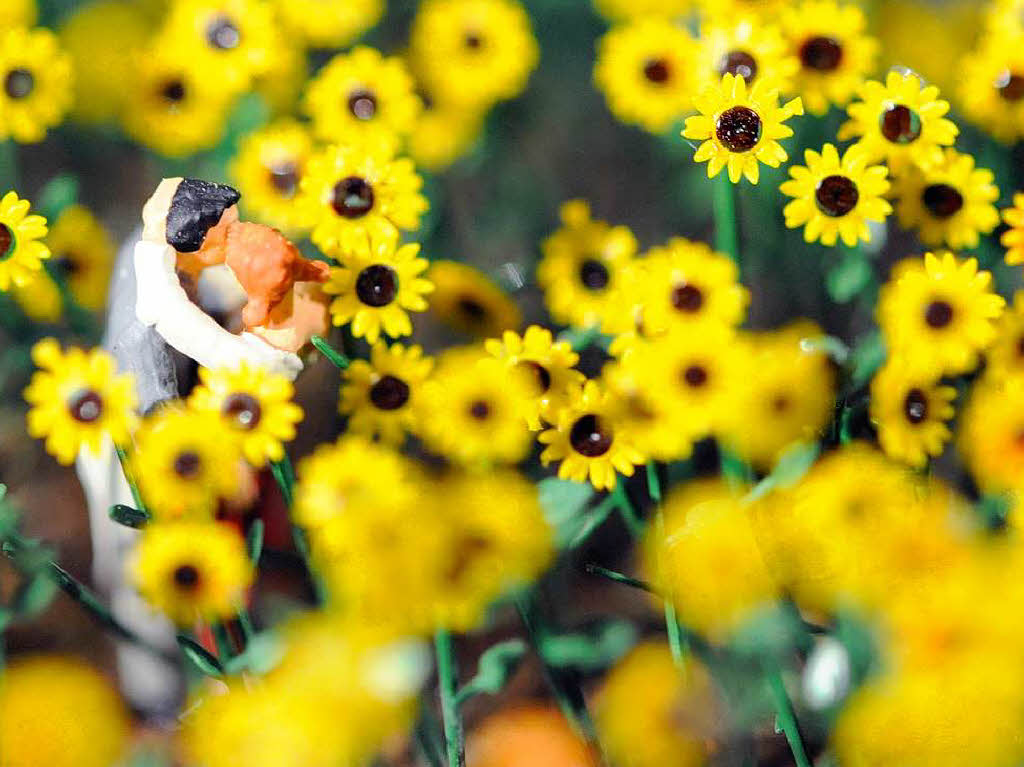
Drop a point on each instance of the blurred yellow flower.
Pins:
(37, 79)
(469, 301)
(83, 254)
(910, 411)
(327, 23)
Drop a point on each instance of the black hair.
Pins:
(195, 209)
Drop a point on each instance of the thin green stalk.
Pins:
(625, 506)
(284, 475)
(224, 645)
(245, 621)
(723, 204)
(653, 484)
(339, 360)
(594, 521)
(676, 640)
(784, 712)
(447, 683)
(122, 456)
(618, 577)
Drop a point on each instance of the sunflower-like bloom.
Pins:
(1006, 355)
(950, 203)
(747, 47)
(327, 24)
(21, 252)
(548, 366)
(938, 313)
(582, 267)
(443, 133)
(901, 121)
(740, 128)
(836, 197)
(185, 462)
(645, 415)
(362, 94)
(474, 411)
(268, 169)
(381, 397)
(77, 401)
(473, 52)
(989, 438)
(469, 301)
(83, 252)
(377, 285)
(192, 571)
(833, 48)
(992, 86)
(57, 711)
(1013, 238)
(588, 440)
(37, 80)
(647, 71)
(253, 404)
(350, 191)
(910, 412)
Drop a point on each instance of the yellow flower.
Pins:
(901, 122)
(185, 462)
(377, 285)
(354, 190)
(83, 252)
(1013, 238)
(991, 435)
(281, 85)
(37, 80)
(21, 252)
(992, 86)
(834, 51)
(362, 94)
(57, 711)
(467, 300)
(77, 400)
(647, 69)
(443, 133)
(548, 368)
(329, 24)
(18, 13)
(740, 129)
(588, 440)
(192, 571)
(747, 47)
(381, 397)
(582, 267)
(253, 404)
(268, 169)
(671, 724)
(1006, 355)
(836, 197)
(474, 411)
(910, 411)
(949, 203)
(40, 298)
(618, 10)
(473, 52)
(938, 313)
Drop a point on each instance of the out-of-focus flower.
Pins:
(329, 24)
(36, 77)
(443, 133)
(18, 13)
(83, 253)
(40, 298)
(619, 10)
(989, 437)
(747, 47)
(1013, 238)
(910, 411)
(1006, 355)
(648, 417)
(467, 300)
(992, 86)
(504, 737)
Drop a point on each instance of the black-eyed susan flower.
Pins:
(950, 203)
(910, 412)
(991, 435)
(443, 133)
(377, 285)
(185, 462)
(381, 396)
(835, 53)
(1013, 237)
(77, 401)
(254, 404)
(588, 440)
(474, 411)
(1006, 355)
(469, 301)
(352, 191)
(361, 94)
(746, 46)
(647, 417)
(192, 571)
(582, 267)
(939, 312)
(267, 171)
(82, 254)
(548, 366)
(992, 87)
(35, 83)
(40, 298)
(21, 251)
(327, 24)
(648, 71)
(836, 197)
(473, 52)
(740, 128)
(901, 121)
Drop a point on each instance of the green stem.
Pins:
(122, 456)
(625, 506)
(653, 483)
(447, 682)
(245, 621)
(594, 521)
(284, 475)
(676, 641)
(787, 720)
(618, 577)
(339, 360)
(723, 204)
(224, 648)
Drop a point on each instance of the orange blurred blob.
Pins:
(527, 736)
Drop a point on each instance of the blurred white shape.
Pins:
(513, 275)
(827, 675)
(397, 671)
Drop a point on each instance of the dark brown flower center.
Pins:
(915, 406)
(590, 436)
(1010, 86)
(19, 83)
(738, 128)
(538, 373)
(473, 311)
(186, 577)
(284, 177)
(695, 376)
(243, 410)
(187, 464)
(353, 197)
(86, 406)
(377, 285)
(687, 298)
(823, 54)
(480, 410)
(468, 547)
(594, 274)
(780, 403)
(1020, 346)
(657, 71)
(173, 91)
(7, 242)
(222, 33)
(389, 393)
(740, 64)
(938, 314)
(362, 104)
(67, 264)
(900, 124)
(836, 196)
(942, 200)
(473, 40)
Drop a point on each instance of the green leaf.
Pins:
(563, 502)
(60, 192)
(128, 516)
(589, 653)
(791, 466)
(34, 595)
(830, 345)
(254, 541)
(262, 653)
(200, 656)
(580, 338)
(493, 669)
(860, 642)
(848, 277)
(867, 357)
(993, 510)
